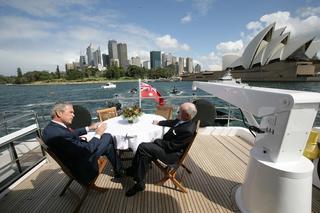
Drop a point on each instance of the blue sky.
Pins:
(41, 34)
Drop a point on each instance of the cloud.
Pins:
(202, 6)
(186, 19)
(230, 47)
(168, 43)
(210, 62)
(45, 8)
(308, 11)
(254, 25)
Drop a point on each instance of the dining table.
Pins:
(130, 135)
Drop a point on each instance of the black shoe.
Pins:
(119, 174)
(135, 189)
(129, 172)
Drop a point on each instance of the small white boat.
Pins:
(109, 85)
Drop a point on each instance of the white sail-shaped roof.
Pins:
(278, 32)
(237, 62)
(251, 50)
(228, 60)
(313, 49)
(259, 56)
(295, 44)
(274, 45)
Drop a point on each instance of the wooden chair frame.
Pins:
(165, 111)
(107, 113)
(171, 171)
(102, 163)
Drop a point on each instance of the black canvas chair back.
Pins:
(206, 112)
(170, 171)
(82, 117)
(102, 163)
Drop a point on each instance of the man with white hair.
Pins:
(168, 150)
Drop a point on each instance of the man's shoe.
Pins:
(129, 172)
(135, 189)
(119, 174)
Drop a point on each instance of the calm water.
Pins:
(26, 97)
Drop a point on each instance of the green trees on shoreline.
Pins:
(87, 74)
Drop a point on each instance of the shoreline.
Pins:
(78, 82)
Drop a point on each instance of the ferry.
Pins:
(255, 167)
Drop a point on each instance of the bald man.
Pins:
(168, 149)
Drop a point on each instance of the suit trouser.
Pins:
(146, 153)
(106, 147)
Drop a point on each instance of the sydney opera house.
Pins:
(272, 55)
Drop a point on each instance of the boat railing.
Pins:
(19, 150)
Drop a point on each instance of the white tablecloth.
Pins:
(131, 135)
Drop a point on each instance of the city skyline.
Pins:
(41, 34)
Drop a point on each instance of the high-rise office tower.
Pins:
(89, 55)
(112, 49)
(166, 59)
(155, 59)
(97, 57)
(105, 60)
(123, 55)
(181, 65)
(189, 65)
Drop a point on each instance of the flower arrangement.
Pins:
(131, 113)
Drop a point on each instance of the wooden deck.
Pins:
(218, 165)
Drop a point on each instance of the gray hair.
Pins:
(59, 107)
(191, 109)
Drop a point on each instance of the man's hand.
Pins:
(94, 126)
(155, 122)
(101, 129)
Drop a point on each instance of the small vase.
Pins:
(132, 120)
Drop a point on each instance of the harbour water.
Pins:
(31, 97)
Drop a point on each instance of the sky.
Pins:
(41, 34)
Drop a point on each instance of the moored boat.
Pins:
(109, 85)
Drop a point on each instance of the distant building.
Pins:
(197, 68)
(72, 66)
(82, 61)
(180, 66)
(97, 58)
(90, 55)
(155, 59)
(166, 59)
(122, 55)
(146, 64)
(136, 61)
(189, 65)
(113, 49)
(114, 62)
(105, 60)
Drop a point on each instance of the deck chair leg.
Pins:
(82, 199)
(186, 168)
(163, 180)
(178, 184)
(66, 186)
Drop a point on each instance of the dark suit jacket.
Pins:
(177, 138)
(77, 154)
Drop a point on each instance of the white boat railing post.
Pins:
(139, 90)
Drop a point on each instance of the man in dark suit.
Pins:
(77, 154)
(168, 149)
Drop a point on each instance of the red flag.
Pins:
(148, 91)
